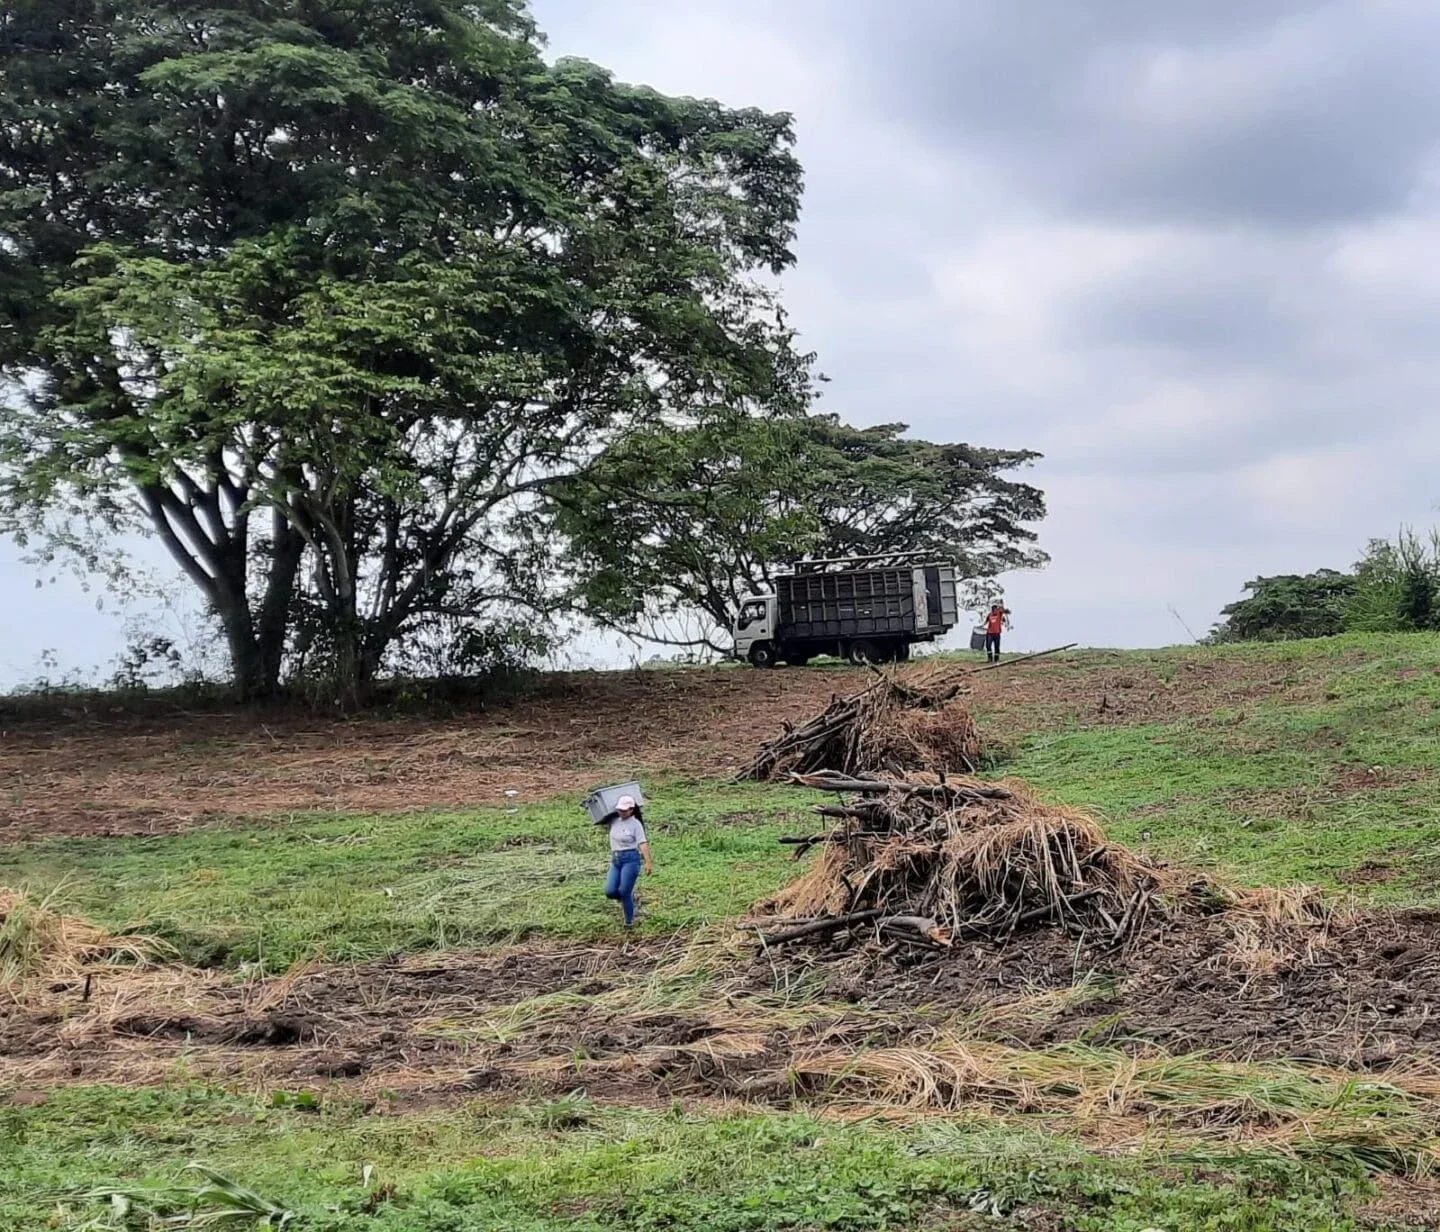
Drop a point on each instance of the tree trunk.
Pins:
(248, 668)
(219, 569)
(287, 550)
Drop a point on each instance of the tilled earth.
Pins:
(1365, 998)
(349, 1018)
(116, 771)
(554, 1018)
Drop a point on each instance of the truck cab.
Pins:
(755, 621)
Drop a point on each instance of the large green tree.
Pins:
(675, 523)
(331, 293)
(1393, 588)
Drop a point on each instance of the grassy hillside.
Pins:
(357, 886)
(1316, 762)
(1308, 762)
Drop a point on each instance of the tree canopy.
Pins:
(396, 334)
(1287, 606)
(686, 519)
(1393, 588)
(330, 292)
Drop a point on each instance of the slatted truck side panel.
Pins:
(866, 609)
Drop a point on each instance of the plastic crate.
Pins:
(600, 803)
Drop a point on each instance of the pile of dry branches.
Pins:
(926, 863)
(889, 728)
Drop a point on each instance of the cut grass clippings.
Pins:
(690, 1025)
(38, 942)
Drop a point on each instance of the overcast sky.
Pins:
(1190, 251)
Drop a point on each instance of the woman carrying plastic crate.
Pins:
(629, 847)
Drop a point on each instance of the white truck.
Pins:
(868, 609)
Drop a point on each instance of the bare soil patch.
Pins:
(443, 1025)
(1369, 873)
(84, 772)
(333, 1021)
(108, 775)
(1364, 999)
(1355, 780)
(1410, 1202)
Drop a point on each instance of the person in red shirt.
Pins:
(996, 622)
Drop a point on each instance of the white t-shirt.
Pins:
(626, 834)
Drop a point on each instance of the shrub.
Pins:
(1286, 607)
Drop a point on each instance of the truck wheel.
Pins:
(762, 654)
(862, 653)
(901, 652)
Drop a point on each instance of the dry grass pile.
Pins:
(923, 863)
(40, 943)
(1305, 1110)
(919, 856)
(1272, 928)
(892, 727)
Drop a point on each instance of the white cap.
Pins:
(625, 802)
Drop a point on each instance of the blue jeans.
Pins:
(624, 873)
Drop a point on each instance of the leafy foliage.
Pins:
(688, 519)
(329, 294)
(1397, 586)
(1288, 606)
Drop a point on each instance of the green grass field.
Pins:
(569, 1164)
(350, 887)
(1268, 789)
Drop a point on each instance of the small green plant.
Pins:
(299, 1101)
(218, 1202)
(572, 1111)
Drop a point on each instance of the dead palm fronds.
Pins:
(935, 861)
(890, 727)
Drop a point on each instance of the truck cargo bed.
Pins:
(868, 602)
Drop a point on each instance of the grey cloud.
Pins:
(1223, 397)
(1196, 317)
(1273, 113)
(878, 274)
